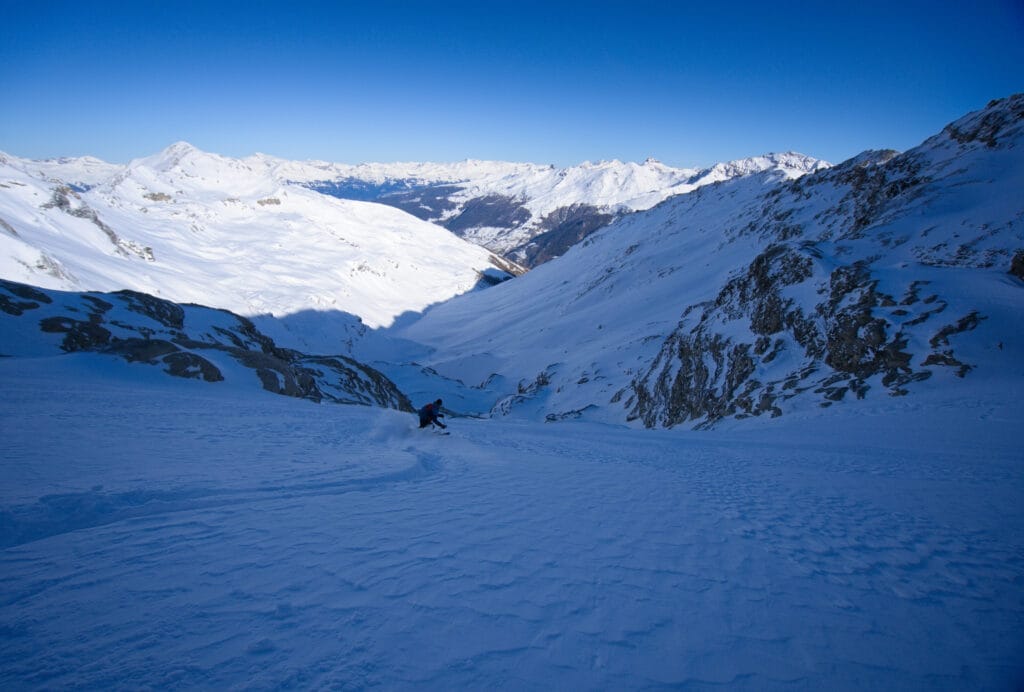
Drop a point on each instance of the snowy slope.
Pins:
(79, 172)
(159, 533)
(885, 275)
(195, 227)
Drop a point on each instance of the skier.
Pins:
(430, 413)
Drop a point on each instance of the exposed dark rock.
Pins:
(1017, 264)
(345, 380)
(946, 356)
(857, 341)
(498, 211)
(154, 351)
(144, 350)
(561, 229)
(163, 338)
(525, 390)
(700, 375)
(987, 127)
(964, 324)
(79, 335)
(169, 314)
(279, 375)
(191, 366)
(31, 298)
(568, 415)
(873, 187)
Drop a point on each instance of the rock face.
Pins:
(854, 333)
(187, 341)
(562, 229)
(835, 305)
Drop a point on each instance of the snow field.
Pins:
(222, 234)
(175, 534)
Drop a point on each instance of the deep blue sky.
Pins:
(549, 82)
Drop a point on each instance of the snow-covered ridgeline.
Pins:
(196, 227)
(531, 213)
(500, 205)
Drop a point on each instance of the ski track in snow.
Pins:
(149, 543)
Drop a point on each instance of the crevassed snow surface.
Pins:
(174, 534)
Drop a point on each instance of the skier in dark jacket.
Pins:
(430, 413)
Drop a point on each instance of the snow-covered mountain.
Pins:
(757, 296)
(78, 173)
(529, 213)
(190, 226)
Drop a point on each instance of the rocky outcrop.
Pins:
(991, 126)
(722, 361)
(17, 298)
(809, 317)
(62, 199)
(189, 341)
(1017, 264)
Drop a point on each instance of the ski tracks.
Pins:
(525, 556)
(53, 515)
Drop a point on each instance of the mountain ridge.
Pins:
(503, 206)
(751, 297)
(543, 205)
(195, 227)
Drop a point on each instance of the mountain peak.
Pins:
(172, 156)
(180, 148)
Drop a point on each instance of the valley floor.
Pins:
(178, 535)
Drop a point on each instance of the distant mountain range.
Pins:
(526, 212)
(677, 297)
